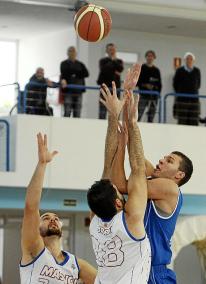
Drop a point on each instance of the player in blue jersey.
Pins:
(164, 204)
(163, 208)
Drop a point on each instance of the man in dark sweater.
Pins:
(36, 94)
(149, 80)
(72, 72)
(110, 68)
(187, 80)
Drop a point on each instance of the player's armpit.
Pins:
(87, 272)
(136, 204)
(162, 189)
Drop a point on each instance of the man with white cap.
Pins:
(187, 81)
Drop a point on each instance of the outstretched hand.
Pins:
(111, 101)
(132, 77)
(44, 155)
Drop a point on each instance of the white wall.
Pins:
(45, 51)
(80, 143)
(166, 48)
(48, 51)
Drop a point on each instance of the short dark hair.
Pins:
(186, 166)
(150, 51)
(110, 44)
(101, 199)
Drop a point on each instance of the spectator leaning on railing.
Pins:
(149, 80)
(36, 94)
(72, 72)
(187, 80)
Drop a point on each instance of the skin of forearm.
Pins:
(34, 189)
(118, 176)
(110, 145)
(136, 152)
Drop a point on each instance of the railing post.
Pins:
(7, 144)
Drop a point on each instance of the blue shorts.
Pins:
(160, 274)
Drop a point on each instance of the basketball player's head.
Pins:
(50, 225)
(104, 199)
(175, 166)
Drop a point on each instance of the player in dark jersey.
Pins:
(164, 204)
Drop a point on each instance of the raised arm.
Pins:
(137, 184)
(31, 241)
(118, 176)
(114, 107)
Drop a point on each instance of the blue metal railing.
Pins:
(7, 143)
(81, 87)
(164, 101)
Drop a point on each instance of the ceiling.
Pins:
(19, 21)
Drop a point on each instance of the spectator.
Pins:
(72, 72)
(187, 81)
(110, 68)
(36, 94)
(150, 80)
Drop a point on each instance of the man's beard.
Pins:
(51, 232)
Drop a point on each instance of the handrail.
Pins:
(7, 143)
(82, 87)
(195, 96)
(18, 95)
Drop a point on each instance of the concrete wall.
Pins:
(80, 143)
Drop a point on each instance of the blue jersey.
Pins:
(160, 230)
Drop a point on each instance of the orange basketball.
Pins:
(92, 23)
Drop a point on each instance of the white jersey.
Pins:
(45, 270)
(120, 257)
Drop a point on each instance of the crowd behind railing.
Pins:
(186, 83)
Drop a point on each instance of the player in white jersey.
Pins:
(122, 249)
(43, 260)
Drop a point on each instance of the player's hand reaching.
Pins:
(132, 77)
(44, 155)
(111, 101)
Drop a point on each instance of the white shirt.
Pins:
(120, 257)
(45, 270)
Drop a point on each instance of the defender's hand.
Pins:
(44, 155)
(132, 77)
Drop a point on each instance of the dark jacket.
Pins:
(107, 74)
(74, 73)
(187, 82)
(150, 75)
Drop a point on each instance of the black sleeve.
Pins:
(119, 65)
(159, 84)
(198, 78)
(106, 65)
(84, 71)
(62, 68)
(176, 80)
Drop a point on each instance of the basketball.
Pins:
(92, 23)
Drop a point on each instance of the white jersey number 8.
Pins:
(109, 254)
